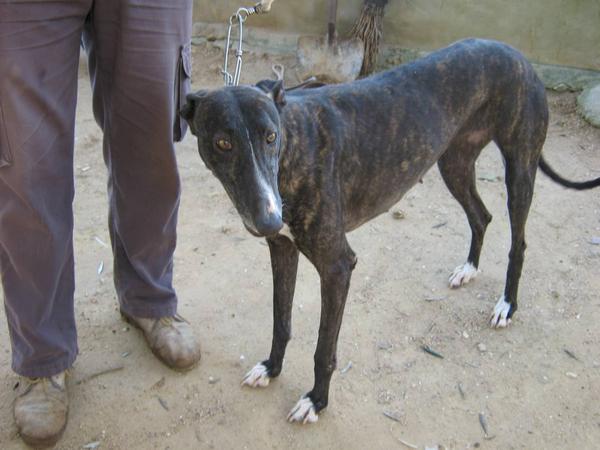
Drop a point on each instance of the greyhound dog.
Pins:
(305, 168)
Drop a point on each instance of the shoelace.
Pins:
(168, 321)
(45, 382)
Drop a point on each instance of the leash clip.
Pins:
(240, 16)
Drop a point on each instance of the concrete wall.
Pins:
(563, 32)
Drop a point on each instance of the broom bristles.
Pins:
(369, 29)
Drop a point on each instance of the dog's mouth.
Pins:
(254, 232)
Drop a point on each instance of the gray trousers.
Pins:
(139, 59)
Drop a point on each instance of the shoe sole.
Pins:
(46, 442)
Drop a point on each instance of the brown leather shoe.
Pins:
(41, 408)
(171, 339)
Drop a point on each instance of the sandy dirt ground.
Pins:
(537, 384)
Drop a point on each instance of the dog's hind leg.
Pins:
(520, 178)
(457, 167)
(284, 264)
(521, 144)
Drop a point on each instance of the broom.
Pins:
(369, 29)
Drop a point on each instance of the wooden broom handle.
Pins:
(331, 22)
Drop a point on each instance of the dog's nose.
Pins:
(268, 220)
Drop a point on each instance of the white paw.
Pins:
(304, 412)
(500, 314)
(258, 376)
(462, 275)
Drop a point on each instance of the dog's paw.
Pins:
(462, 275)
(303, 412)
(500, 317)
(258, 376)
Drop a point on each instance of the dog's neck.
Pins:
(290, 176)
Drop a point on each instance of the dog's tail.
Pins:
(579, 185)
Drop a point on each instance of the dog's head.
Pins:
(239, 139)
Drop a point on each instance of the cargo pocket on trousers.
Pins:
(5, 154)
(182, 88)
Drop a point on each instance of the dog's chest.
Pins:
(286, 232)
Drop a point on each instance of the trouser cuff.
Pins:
(47, 370)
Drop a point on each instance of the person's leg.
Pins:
(39, 56)
(38, 92)
(139, 53)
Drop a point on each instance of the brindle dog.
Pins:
(324, 161)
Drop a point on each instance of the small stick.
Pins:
(407, 444)
(347, 368)
(426, 349)
(439, 225)
(160, 383)
(163, 403)
(97, 374)
(571, 354)
(462, 392)
(392, 416)
(100, 241)
(483, 423)
(434, 299)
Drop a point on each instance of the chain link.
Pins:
(238, 19)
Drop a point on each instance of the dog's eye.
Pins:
(224, 144)
(271, 137)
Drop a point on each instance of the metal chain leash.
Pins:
(238, 19)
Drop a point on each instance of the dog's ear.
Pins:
(192, 100)
(275, 90)
(189, 109)
(266, 85)
(278, 94)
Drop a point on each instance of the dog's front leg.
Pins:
(284, 263)
(335, 281)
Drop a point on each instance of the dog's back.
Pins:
(379, 135)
